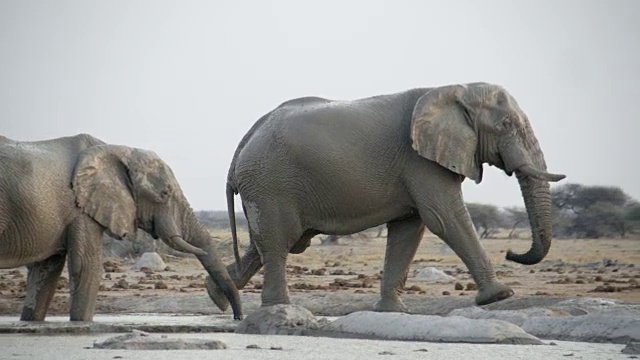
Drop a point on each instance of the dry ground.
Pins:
(608, 268)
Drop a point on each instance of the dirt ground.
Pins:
(607, 268)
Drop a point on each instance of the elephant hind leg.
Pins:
(275, 228)
(402, 242)
(41, 286)
(250, 263)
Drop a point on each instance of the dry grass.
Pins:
(573, 267)
(607, 268)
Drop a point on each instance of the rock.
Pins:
(632, 348)
(591, 305)
(150, 261)
(446, 250)
(586, 320)
(472, 286)
(595, 327)
(516, 317)
(401, 326)
(121, 284)
(161, 285)
(278, 320)
(139, 340)
(432, 274)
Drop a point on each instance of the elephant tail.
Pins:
(232, 223)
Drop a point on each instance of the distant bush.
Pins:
(514, 218)
(128, 249)
(593, 211)
(486, 218)
(220, 219)
(132, 249)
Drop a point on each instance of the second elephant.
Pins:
(314, 165)
(58, 196)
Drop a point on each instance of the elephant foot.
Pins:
(29, 314)
(493, 292)
(390, 305)
(216, 294)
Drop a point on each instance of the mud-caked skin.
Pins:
(314, 165)
(58, 197)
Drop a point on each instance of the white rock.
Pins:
(589, 302)
(593, 327)
(401, 326)
(516, 317)
(607, 322)
(150, 260)
(432, 274)
(138, 340)
(445, 250)
(278, 320)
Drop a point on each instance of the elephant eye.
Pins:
(507, 121)
(164, 194)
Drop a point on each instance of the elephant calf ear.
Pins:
(441, 132)
(101, 186)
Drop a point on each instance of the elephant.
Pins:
(318, 166)
(59, 196)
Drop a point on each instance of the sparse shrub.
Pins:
(593, 211)
(486, 218)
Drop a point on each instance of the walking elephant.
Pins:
(314, 166)
(58, 196)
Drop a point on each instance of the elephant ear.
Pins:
(102, 188)
(442, 131)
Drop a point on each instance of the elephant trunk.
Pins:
(527, 160)
(537, 200)
(167, 230)
(197, 235)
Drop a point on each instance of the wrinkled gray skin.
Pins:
(314, 166)
(58, 196)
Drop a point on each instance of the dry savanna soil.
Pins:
(607, 268)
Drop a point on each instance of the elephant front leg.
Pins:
(41, 286)
(451, 222)
(85, 268)
(402, 242)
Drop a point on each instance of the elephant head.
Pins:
(124, 188)
(463, 126)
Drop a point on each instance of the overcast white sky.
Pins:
(188, 78)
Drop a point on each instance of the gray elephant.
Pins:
(58, 197)
(314, 166)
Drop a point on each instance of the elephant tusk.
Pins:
(540, 175)
(178, 243)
